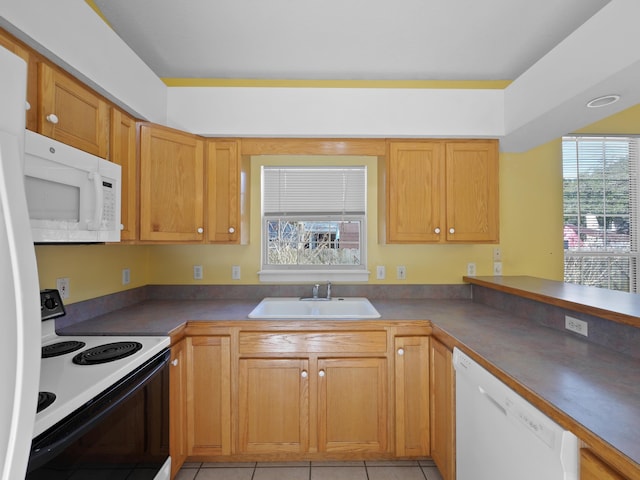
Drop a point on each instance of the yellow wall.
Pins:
(530, 235)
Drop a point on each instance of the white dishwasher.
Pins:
(500, 436)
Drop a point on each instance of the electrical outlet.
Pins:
(497, 268)
(197, 272)
(471, 269)
(576, 326)
(497, 254)
(62, 284)
(381, 272)
(235, 272)
(126, 276)
(401, 272)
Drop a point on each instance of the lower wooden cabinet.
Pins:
(178, 405)
(273, 410)
(293, 391)
(352, 405)
(443, 426)
(208, 395)
(593, 468)
(412, 396)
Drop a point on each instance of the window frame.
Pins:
(305, 272)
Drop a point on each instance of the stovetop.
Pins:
(74, 385)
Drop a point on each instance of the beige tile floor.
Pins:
(379, 470)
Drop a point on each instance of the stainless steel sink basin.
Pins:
(294, 307)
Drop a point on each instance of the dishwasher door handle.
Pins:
(492, 400)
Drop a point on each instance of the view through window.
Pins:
(314, 217)
(600, 211)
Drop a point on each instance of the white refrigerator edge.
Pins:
(19, 290)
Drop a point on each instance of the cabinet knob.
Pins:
(174, 362)
(232, 230)
(27, 106)
(401, 351)
(304, 374)
(200, 230)
(321, 373)
(52, 118)
(452, 230)
(437, 230)
(121, 226)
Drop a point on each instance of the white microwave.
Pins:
(72, 196)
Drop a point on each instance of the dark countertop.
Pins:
(566, 377)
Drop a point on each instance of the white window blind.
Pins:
(314, 190)
(600, 185)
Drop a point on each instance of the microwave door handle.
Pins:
(99, 204)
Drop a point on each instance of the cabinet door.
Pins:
(592, 468)
(273, 411)
(223, 192)
(442, 410)
(178, 407)
(11, 44)
(472, 191)
(123, 152)
(412, 396)
(209, 396)
(414, 192)
(352, 405)
(171, 185)
(71, 113)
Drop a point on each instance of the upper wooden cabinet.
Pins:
(123, 147)
(7, 41)
(227, 193)
(71, 113)
(171, 185)
(440, 191)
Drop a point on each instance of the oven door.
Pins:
(122, 433)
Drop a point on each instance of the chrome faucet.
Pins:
(328, 290)
(316, 287)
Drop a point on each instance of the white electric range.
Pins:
(87, 385)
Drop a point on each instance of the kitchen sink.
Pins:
(295, 307)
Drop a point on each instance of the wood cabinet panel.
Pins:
(413, 192)
(171, 185)
(313, 342)
(82, 117)
(13, 45)
(472, 192)
(223, 192)
(412, 396)
(273, 405)
(592, 468)
(443, 428)
(352, 405)
(123, 149)
(209, 395)
(178, 412)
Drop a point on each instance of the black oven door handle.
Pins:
(53, 441)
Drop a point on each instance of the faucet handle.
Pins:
(328, 290)
(315, 290)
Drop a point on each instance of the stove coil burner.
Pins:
(61, 348)
(44, 400)
(106, 353)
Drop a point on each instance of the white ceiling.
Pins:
(345, 39)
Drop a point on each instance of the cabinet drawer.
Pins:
(313, 342)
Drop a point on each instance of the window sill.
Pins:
(289, 276)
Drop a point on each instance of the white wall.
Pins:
(77, 39)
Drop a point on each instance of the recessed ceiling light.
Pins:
(603, 101)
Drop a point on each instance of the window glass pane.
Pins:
(313, 242)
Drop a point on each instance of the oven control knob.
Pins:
(50, 303)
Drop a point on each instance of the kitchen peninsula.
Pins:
(508, 324)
